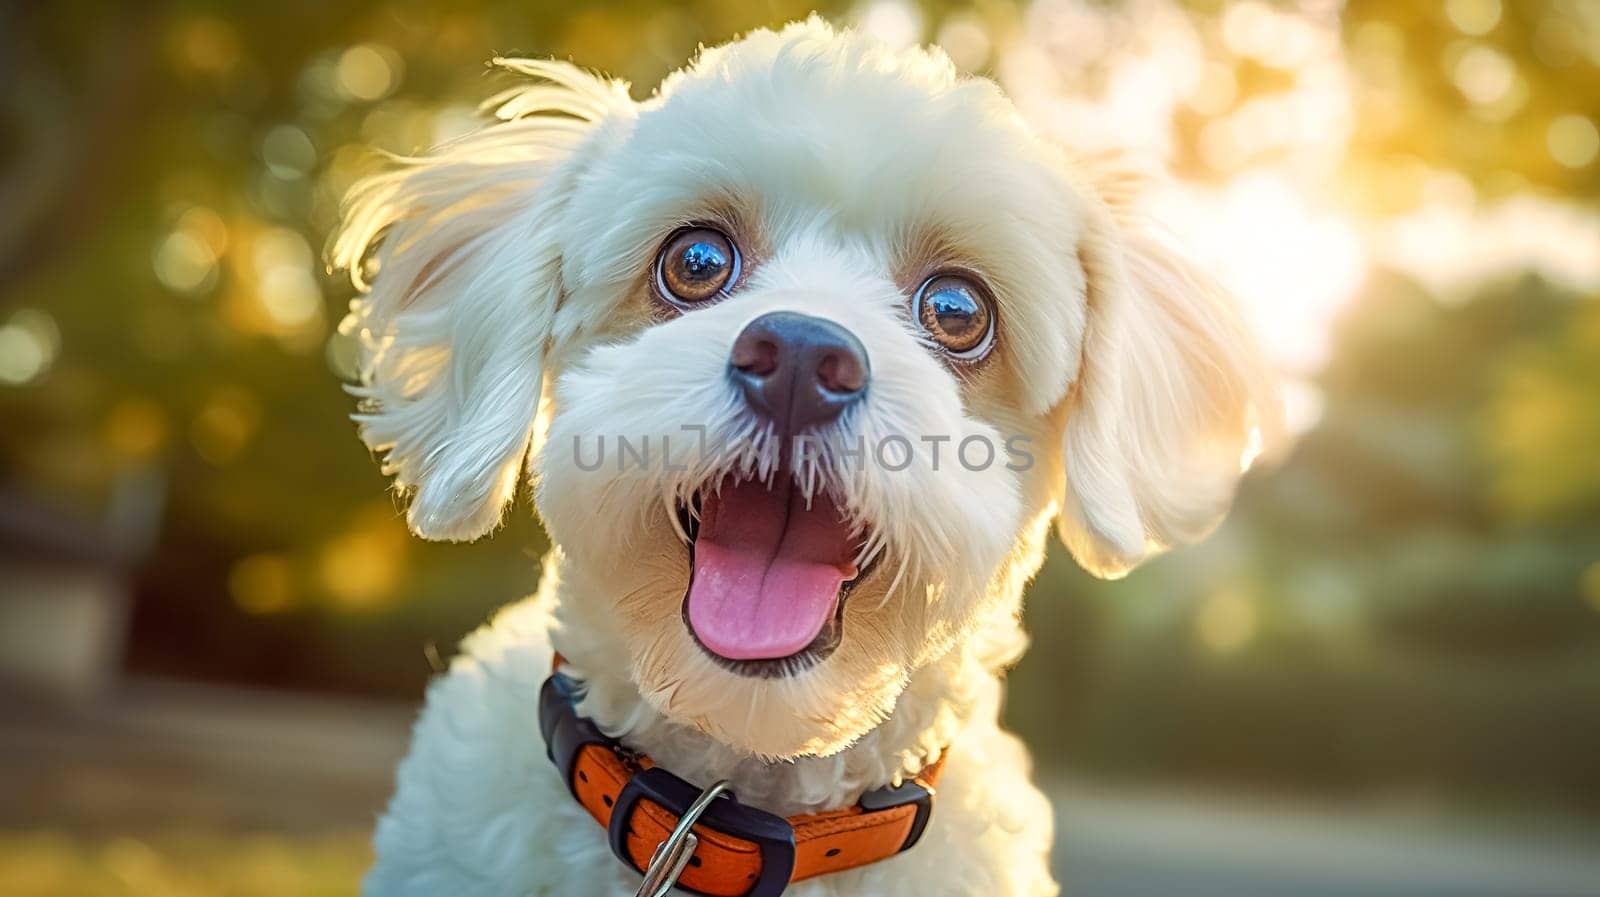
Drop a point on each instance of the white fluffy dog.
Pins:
(802, 234)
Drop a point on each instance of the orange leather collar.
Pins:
(743, 851)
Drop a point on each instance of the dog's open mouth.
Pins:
(769, 574)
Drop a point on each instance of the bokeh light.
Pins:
(29, 344)
(263, 584)
(895, 22)
(1474, 17)
(1573, 141)
(368, 72)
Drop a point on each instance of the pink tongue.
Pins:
(767, 570)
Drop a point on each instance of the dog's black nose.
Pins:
(798, 371)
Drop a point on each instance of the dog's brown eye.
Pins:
(696, 265)
(956, 312)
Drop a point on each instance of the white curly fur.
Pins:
(508, 315)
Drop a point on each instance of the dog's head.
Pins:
(810, 348)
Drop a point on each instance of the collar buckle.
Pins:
(772, 835)
(566, 734)
(672, 855)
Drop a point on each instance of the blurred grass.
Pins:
(181, 864)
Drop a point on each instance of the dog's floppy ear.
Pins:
(458, 256)
(1170, 397)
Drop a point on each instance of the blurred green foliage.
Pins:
(177, 168)
(1404, 625)
(1418, 62)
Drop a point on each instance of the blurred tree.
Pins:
(171, 171)
(1503, 91)
(1541, 426)
(1413, 595)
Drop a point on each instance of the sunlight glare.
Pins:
(895, 22)
(1451, 249)
(964, 40)
(1269, 232)
(1291, 264)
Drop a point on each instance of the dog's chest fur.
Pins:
(480, 810)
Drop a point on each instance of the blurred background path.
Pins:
(1152, 844)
